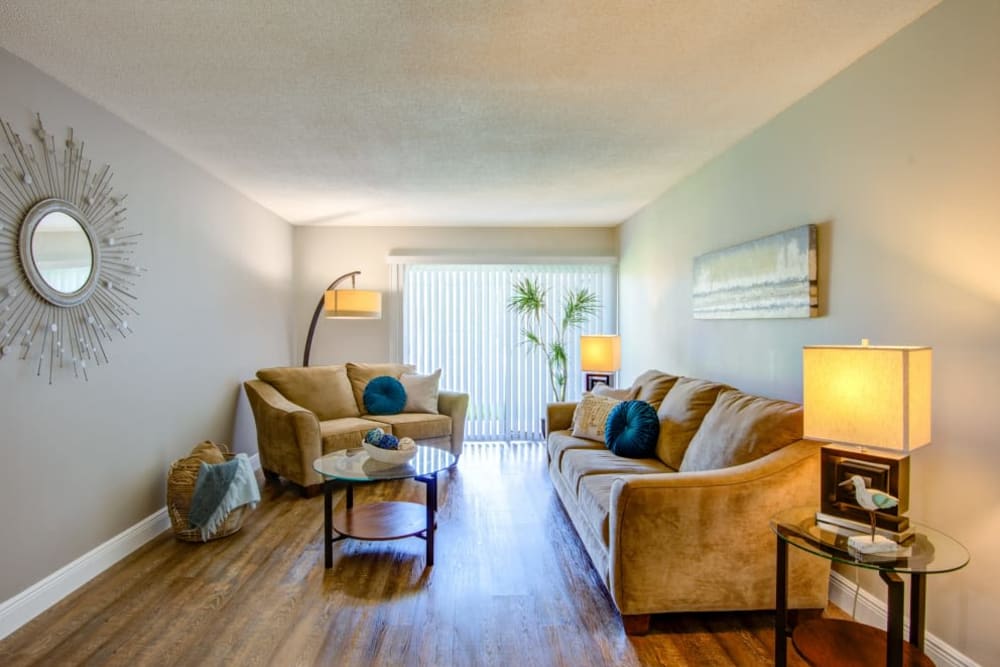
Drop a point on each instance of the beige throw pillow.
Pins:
(681, 413)
(421, 392)
(590, 416)
(741, 428)
(625, 394)
(323, 390)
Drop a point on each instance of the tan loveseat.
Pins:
(304, 413)
(688, 529)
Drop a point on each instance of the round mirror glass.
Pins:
(61, 251)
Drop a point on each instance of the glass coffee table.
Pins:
(389, 520)
(826, 641)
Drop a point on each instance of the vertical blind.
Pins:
(455, 318)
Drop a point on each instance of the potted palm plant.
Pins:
(529, 302)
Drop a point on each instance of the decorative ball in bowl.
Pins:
(406, 451)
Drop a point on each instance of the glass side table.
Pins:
(386, 520)
(821, 641)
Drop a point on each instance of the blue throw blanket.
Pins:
(221, 488)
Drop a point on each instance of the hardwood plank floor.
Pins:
(512, 585)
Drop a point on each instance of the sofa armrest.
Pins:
(288, 436)
(559, 416)
(667, 530)
(455, 404)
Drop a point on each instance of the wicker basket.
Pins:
(180, 489)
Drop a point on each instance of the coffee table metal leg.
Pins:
(432, 497)
(328, 523)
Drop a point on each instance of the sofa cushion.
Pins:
(323, 390)
(560, 442)
(418, 426)
(652, 386)
(741, 428)
(578, 463)
(632, 430)
(347, 432)
(384, 395)
(680, 414)
(591, 415)
(361, 374)
(594, 501)
(421, 392)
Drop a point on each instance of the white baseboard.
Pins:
(872, 611)
(38, 597)
(35, 599)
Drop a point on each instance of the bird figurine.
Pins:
(872, 500)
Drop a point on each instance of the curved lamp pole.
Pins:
(319, 309)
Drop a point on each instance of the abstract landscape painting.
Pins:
(774, 276)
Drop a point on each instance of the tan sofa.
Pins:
(688, 530)
(304, 413)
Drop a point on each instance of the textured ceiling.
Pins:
(454, 112)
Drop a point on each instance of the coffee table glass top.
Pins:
(354, 465)
(927, 552)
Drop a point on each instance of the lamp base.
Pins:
(594, 379)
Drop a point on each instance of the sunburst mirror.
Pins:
(67, 270)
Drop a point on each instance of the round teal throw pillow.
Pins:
(632, 430)
(384, 395)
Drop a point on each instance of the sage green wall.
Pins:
(82, 461)
(898, 159)
(323, 253)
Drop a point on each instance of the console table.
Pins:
(823, 641)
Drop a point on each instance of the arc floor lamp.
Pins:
(344, 304)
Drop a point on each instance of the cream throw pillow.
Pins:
(590, 416)
(421, 392)
(624, 394)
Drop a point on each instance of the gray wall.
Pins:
(323, 253)
(898, 159)
(82, 461)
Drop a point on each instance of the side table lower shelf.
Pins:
(827, 641)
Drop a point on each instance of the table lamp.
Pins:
(600, 358)
(874, 404)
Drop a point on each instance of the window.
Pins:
(455, 317)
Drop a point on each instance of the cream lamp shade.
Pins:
(873, 396)
(352, 304)
(600, 353)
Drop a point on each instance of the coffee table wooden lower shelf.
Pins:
(381, 521)
(828, 641)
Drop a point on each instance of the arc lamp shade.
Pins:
(352, 304)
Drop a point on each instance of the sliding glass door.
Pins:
(455, 317)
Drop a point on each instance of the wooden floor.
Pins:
(512, 585)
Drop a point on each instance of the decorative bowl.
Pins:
(394, 456)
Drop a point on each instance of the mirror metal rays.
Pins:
(67, 272)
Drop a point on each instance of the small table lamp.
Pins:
(600, 359)
(866, 398)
